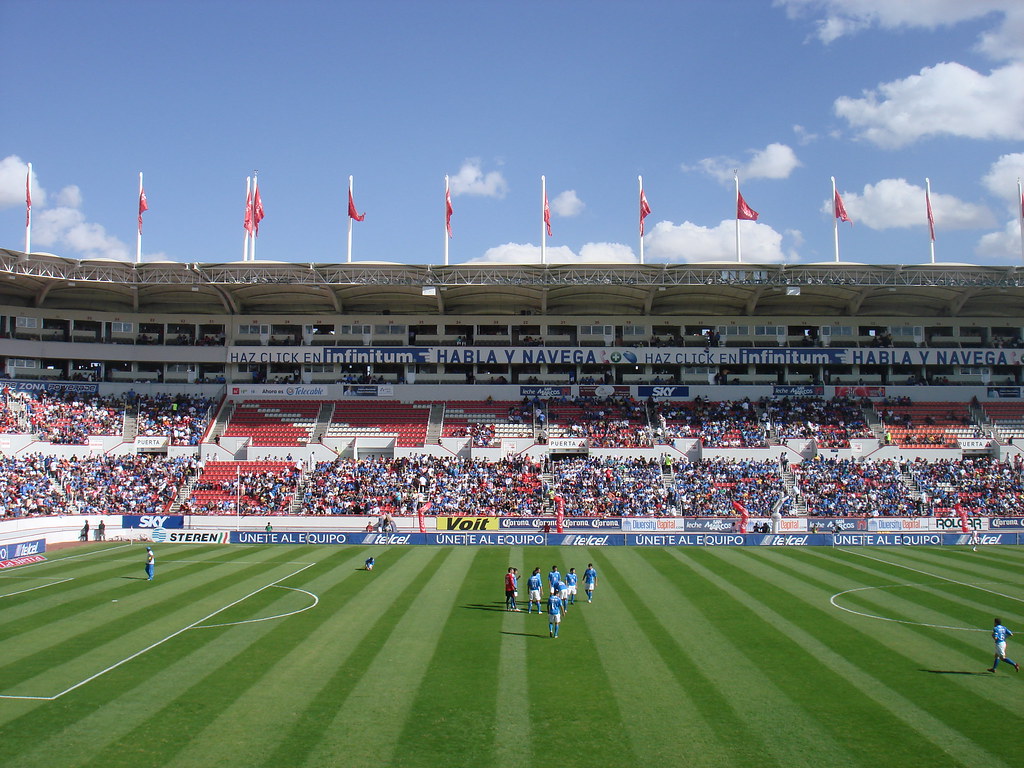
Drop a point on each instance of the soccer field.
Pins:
(295, 656)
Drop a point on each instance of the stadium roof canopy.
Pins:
(721, 289)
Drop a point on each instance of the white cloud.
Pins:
(1003, 245)
(471, 180)
(526, 253)
(895, 203)
(1002, 176)
(70, 197)
(67, 227)
(948, 98)
(689, 242)
(567, 204)
(839, 18)
(776, 161)
(803, 136)
(12, 184)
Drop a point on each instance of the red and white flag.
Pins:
(247, 222)
(352, 213)
(840, 209)
(448, 211)
(744, 211)
(547, 214)
(559, 513)
(744, 515)
(143, 206)
(931, 217)
(257, 210)
(962, 514)
(645, 210)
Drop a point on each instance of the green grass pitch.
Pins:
(294, 656)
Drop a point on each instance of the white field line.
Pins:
(933, 575)
(157, 643)
(886, 618)
(30, 589)
(314, 604)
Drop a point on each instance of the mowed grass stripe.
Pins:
(96, 582)
(567, 729)
(268, 690)
(758, 668)
(170, 730)
(69, 651)
(82, 723)
(983, 598)
(456, 728)
(366, 727)
(512, 747)
(121, 718)
(926, 737)
(666, 668)
(943, 650)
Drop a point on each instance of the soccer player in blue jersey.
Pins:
(554, 579)
(369, 564)
(533, 584)
(555, 610)
(590, 581)
(150, 564)
(570, 585)
(1000, 634)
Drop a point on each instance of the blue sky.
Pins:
(591, 94)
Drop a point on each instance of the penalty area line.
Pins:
(32, 589)
(933, 575)
(158, 643)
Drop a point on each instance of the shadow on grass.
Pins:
(952, 672)
(497, 606)
(135, 578)
(525, 634)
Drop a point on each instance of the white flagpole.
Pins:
(349, 259)
(252, 240)
(543, 223)
(138, 240)
(931, 216)
(1020, 215)
(447, 192)
(640, 179)
(28, 210)
(736, 178)
(248, 212)
(835, 219)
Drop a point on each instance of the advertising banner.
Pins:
(164, 536)
(663, 392)
(1010, 392)
(1005, 523)
(544, 392)
(152, 521)
(467, 523)
(797, 390)
(22, 553)
(572, 523)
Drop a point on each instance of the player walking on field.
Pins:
(590, 581)
(533, 584)
(555, 610)
(1000, 635)
(554, 579)
(570, 585)
(150, 564)
(510, 590)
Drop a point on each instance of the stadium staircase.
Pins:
(184, 493)
(222, 420)
(435, 424)
(323, 421)
(789, 483)
(130, 425)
